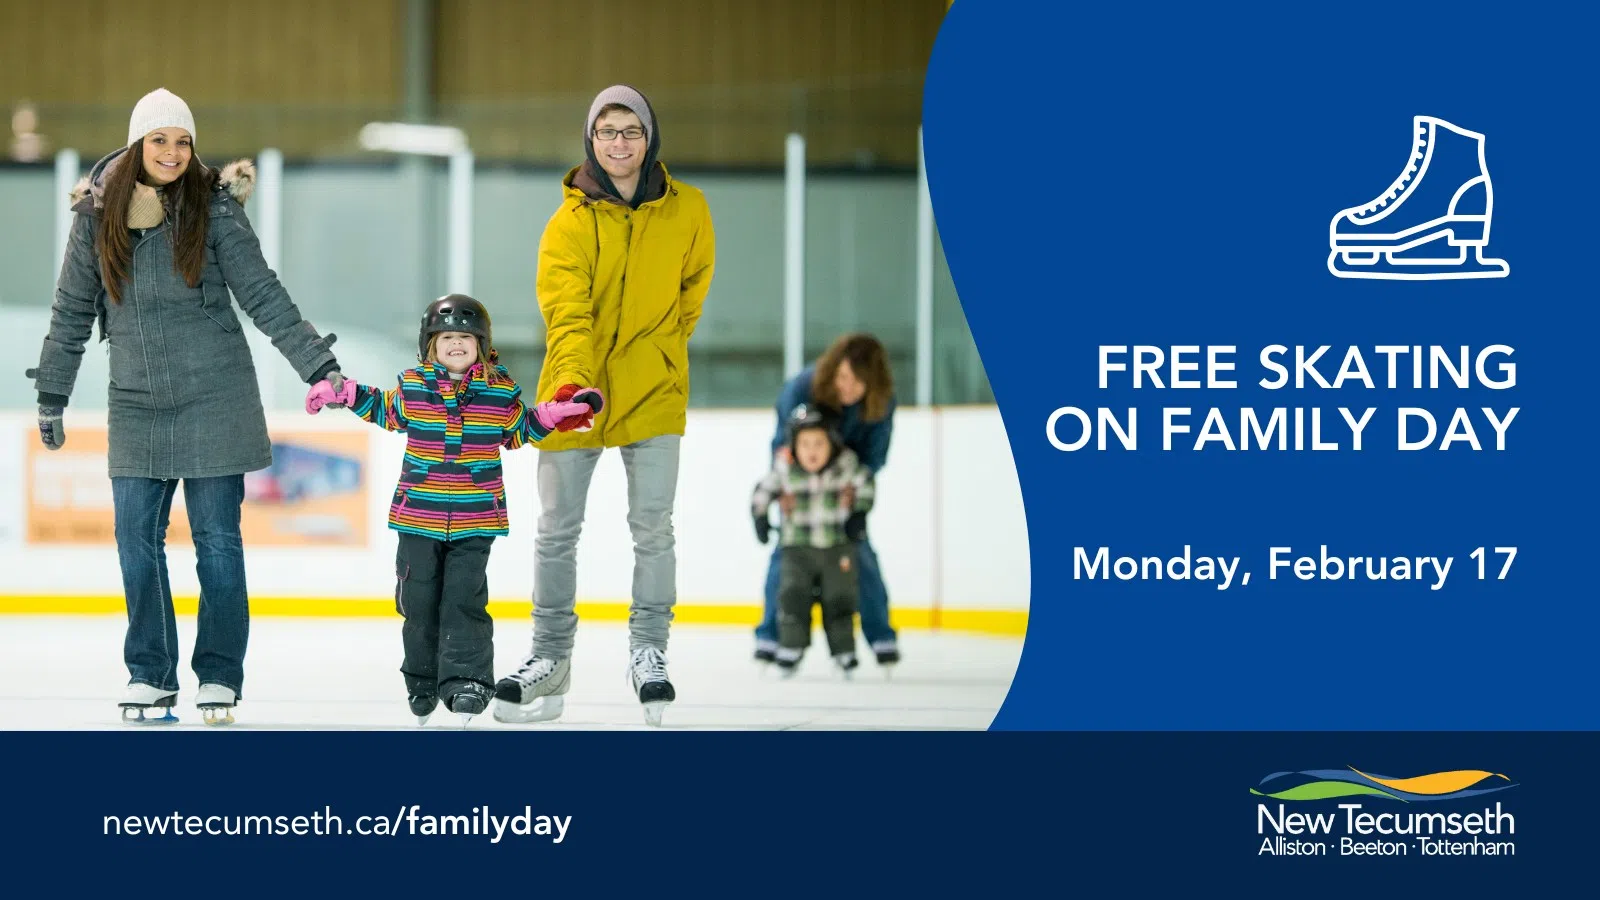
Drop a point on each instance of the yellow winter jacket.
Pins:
(621, 290)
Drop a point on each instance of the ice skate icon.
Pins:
(1423, 226)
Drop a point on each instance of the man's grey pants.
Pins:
(652, 469)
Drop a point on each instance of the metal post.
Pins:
(416, 73)
(66, 177)
(269, 231)
(460, 266)
(924, 281)
(794, 282)
(417, 107)
(269, 226)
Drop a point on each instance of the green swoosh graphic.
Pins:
(1322, 790)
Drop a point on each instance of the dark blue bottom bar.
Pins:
(1097, 814)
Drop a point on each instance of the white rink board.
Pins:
(949, 527)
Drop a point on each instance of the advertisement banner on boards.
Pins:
(314, 493)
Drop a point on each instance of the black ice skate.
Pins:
(470, 701)
(847, 664)
(1422, 227)
(766, 651)
(647, 675)
(216, 703)
(140, 698)
(887, 653)
(788, 660)
(422, 706)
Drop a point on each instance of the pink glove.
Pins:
(551, 413)
(322, 393)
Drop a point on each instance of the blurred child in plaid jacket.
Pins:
(824, 494)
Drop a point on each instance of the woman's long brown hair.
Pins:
(186, 201)
(868, 361)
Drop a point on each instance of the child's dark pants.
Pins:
(442, 590)
(802, 570)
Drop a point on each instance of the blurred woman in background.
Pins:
(853, 385)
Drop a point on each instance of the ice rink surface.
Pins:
(66, 673)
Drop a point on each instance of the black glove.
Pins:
(763, 528)
(855, 527)
(591, 396)
(335, 380)
(51, 431)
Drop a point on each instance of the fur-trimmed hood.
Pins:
(237, 178)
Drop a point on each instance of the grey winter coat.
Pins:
(184, 402)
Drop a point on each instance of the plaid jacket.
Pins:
(819, 513)
(450, 485)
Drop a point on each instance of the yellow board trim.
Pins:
(1001, 622)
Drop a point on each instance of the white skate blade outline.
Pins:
(546, 708)
(1384, 267)
(1346, 249)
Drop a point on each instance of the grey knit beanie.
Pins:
(627, 96)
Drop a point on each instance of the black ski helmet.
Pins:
(805, 416)
(454, 312)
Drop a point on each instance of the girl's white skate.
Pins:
(140, 698)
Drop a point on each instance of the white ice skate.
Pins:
(533, 693)
(140, 698)
(216, 703)
(647, 675)
(1423, 226)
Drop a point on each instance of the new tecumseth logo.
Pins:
(1354, 831)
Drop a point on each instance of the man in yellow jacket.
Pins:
(624, 266)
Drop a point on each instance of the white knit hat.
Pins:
(160, 108)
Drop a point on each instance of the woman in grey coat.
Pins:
(158, 241)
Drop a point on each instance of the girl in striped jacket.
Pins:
(458, 408)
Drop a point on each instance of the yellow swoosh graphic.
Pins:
(1436, 783)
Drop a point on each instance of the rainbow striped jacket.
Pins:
(450, 485)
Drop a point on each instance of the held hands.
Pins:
(51, 431)
(589, 397)
(763, 528)
(855, 527)
(337, 382)
(551, 414)
(324, 393)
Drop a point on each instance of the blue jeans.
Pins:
(873, 597)
(150, 648)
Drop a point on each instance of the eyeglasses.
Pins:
(610, 134)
